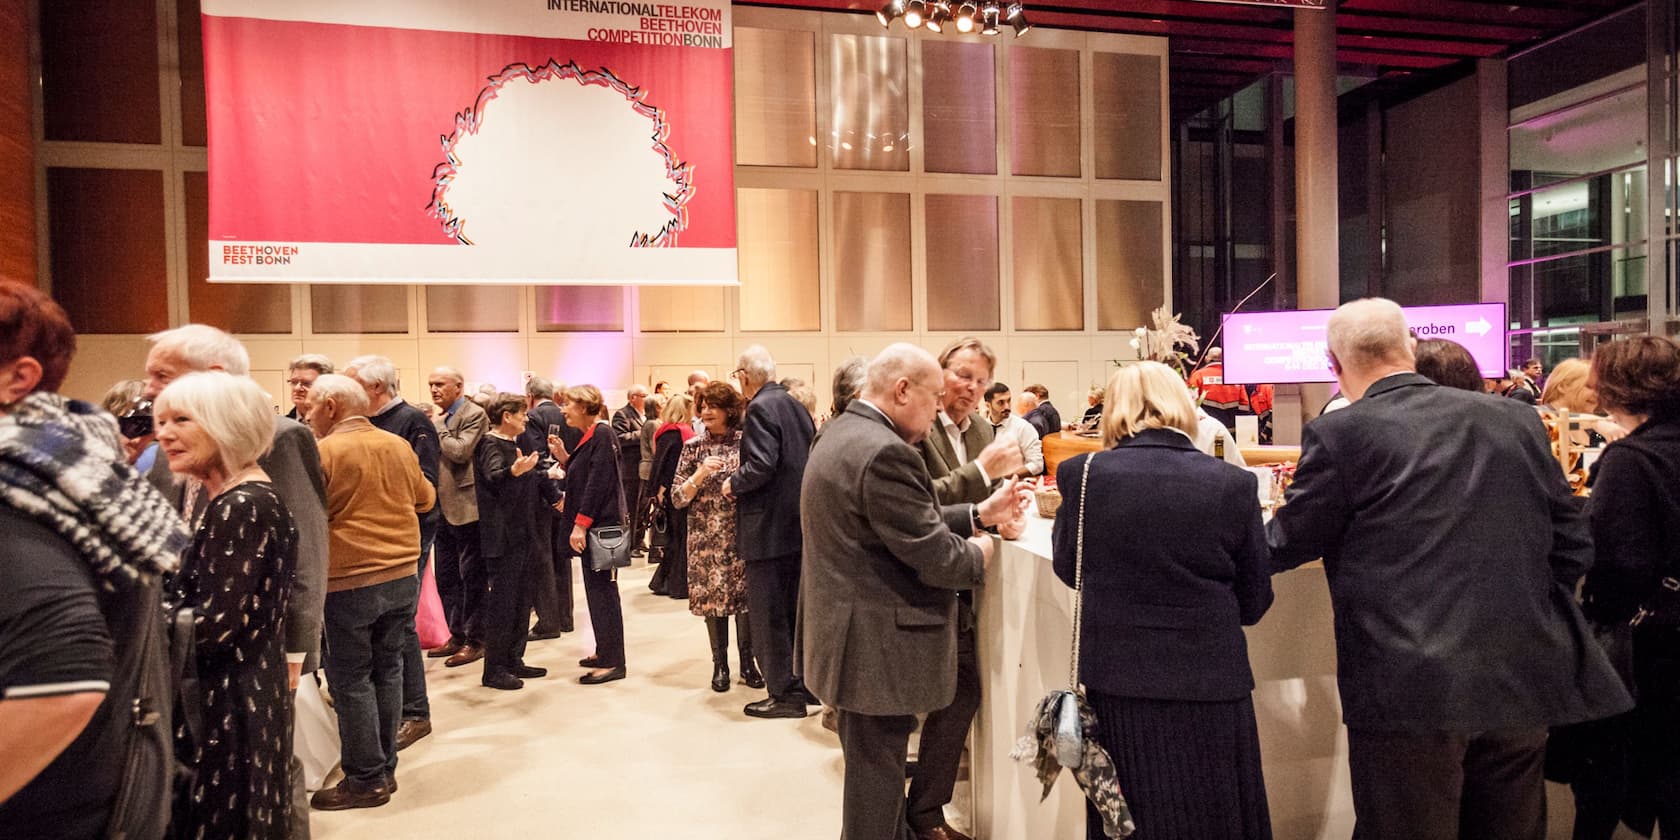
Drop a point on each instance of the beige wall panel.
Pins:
(1061, 377)
(580, 358)
(496, 359)
(100, 362)
(682, 309)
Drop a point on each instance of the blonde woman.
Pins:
(1567, 391)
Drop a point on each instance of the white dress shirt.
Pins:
(1032, 448)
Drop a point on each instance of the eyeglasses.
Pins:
(738, 373)
(300, 383)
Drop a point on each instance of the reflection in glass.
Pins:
(962, 263)
(235, 307)
(1130, 273)
(99, 71)
(106, 237)
(1593, 137)
(358, 308)
(1044, 111)
(959, 108)
(580, 309)
(472, 308)
(190, 35)
(775, 97)
(870, 120)
(1049, 291)
(1127, 106)
(871, 262)
(778, 260)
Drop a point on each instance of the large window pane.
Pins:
(1130, 274)
(681, 308)
(580, 308)
(1127, 103)
(959, 108)
(99, 71)
(1044, 111)
(357, 308)
(775, 97)
(778, 260)
(1048, 274)
(191, 33)
(472, 308)
(871, 108)
(962, 263)
(871, 262)
(235, 307)
(109, 269)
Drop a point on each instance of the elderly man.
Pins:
(375, 492)
(627, 424)
(1452, 548)
(300, 375)
(1009, 425)
(546, 562)
(883, 563)
(390, 412)
(461, 575)
(293, 465)
(775, 441)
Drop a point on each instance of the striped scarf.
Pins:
(61, 464)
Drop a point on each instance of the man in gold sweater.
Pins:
(374, 489)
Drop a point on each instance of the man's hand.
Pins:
(294, 671)
(987, 548)
(1610, 431)
(1001, 457)
(1008, 504)
(525, 463)
(1013, 529)
(728, 493)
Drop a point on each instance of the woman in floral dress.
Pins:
(717, 577)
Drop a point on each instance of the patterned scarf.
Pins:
(61, 464)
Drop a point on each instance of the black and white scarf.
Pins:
(61, 464)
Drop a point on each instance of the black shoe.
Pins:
(720, 677)
(502, 681)
(541, 635)
(591, 661)
(804, 694)
(750, 677)
(770, 707)
(567, 627)
(596, 678)
(528, 672)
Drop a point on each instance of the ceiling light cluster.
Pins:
(989, 16)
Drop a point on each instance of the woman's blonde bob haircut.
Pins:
(678, 409)
(1146, 395)
(232, 410)
(1566, 388)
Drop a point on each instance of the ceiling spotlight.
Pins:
(915, 11)
(938, 14)
(990, 13)
(1017, 17)
(892, 9)
(965, 16)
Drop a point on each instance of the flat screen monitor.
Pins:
(1283, 347)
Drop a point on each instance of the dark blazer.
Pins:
(1452, 547)
(1043, 420)
(882, 564)
(1635, 515)
(507, 504)
(593, 491)
(1052, 417)
(627, 424)
(955, 480)
(775, 441)
(1175, 565)
(535, 439)
(458, 438)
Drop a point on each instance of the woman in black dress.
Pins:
(237, 574)
(1174, 566)
(676, 426)
(594, 497)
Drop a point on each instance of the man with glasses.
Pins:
(301, 375)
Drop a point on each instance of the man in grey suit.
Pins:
(460, 569)
(883, 562)
(294, 466)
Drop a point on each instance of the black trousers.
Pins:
(606, 615)
(1441, 785)
(551, 577)
(872, 801)
(944, 733)
(461, 581)
(507, 607)
(773, 606)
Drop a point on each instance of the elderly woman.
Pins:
(509, 492)
(717, 577)
(1567, 391)
(1635, 578)
(127, 402)
(1446, 362)
(301, 375)
(1174, 566)
(594, 497)
(675, 427)
(212, 427)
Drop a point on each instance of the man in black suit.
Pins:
(627, 424)
(1051, 418)
(1452, 548)
(554, 614)
(775, 440)
(883, 564)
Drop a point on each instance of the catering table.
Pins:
(1063, 445)
(1025, 638)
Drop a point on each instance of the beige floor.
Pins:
(655, 755)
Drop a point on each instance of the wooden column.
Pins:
(17, 145)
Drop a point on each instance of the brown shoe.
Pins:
(411, 730)
(449, 649)
(941, 832)
(347, 794)
(465, 656)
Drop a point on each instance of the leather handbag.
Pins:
(608, 546)
(659, 528)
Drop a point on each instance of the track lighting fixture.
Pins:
(965, 16)
(938, 12)
(915, 11)
(1016, 14)
(892, 9)
(990, 13)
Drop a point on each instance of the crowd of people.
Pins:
(1488, 627)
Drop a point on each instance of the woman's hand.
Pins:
(578, 540)
(712, 464)
(1610, 431)
(525, 463)
(557, 448)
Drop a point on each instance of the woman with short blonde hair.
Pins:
(1146, 395)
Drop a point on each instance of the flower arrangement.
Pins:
(1171, 342)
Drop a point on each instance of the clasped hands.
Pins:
(1007, 507)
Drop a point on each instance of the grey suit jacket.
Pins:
(955, 480)
(882, 566)
(458, 438)
(294, 466)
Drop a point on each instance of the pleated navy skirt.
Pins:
(1189, 770)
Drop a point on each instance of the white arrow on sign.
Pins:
(1480, 326)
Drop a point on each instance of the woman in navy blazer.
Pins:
(1174, 567)
(595, 497)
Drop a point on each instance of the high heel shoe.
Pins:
(720, 677)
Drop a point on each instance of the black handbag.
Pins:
(659, 528)
(608, 546)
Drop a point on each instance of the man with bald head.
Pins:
(461, 578)
(883, 562)
(1452, 549)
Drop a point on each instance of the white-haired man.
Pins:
(390, 412)
(294, 466)
(1452, 548)
(375, 493)
(300, 375)
(627, 425)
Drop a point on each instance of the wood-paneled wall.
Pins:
(17, 146)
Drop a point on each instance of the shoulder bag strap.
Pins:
(1079, 575)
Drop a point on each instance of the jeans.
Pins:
(415, 704)
(366, 629)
